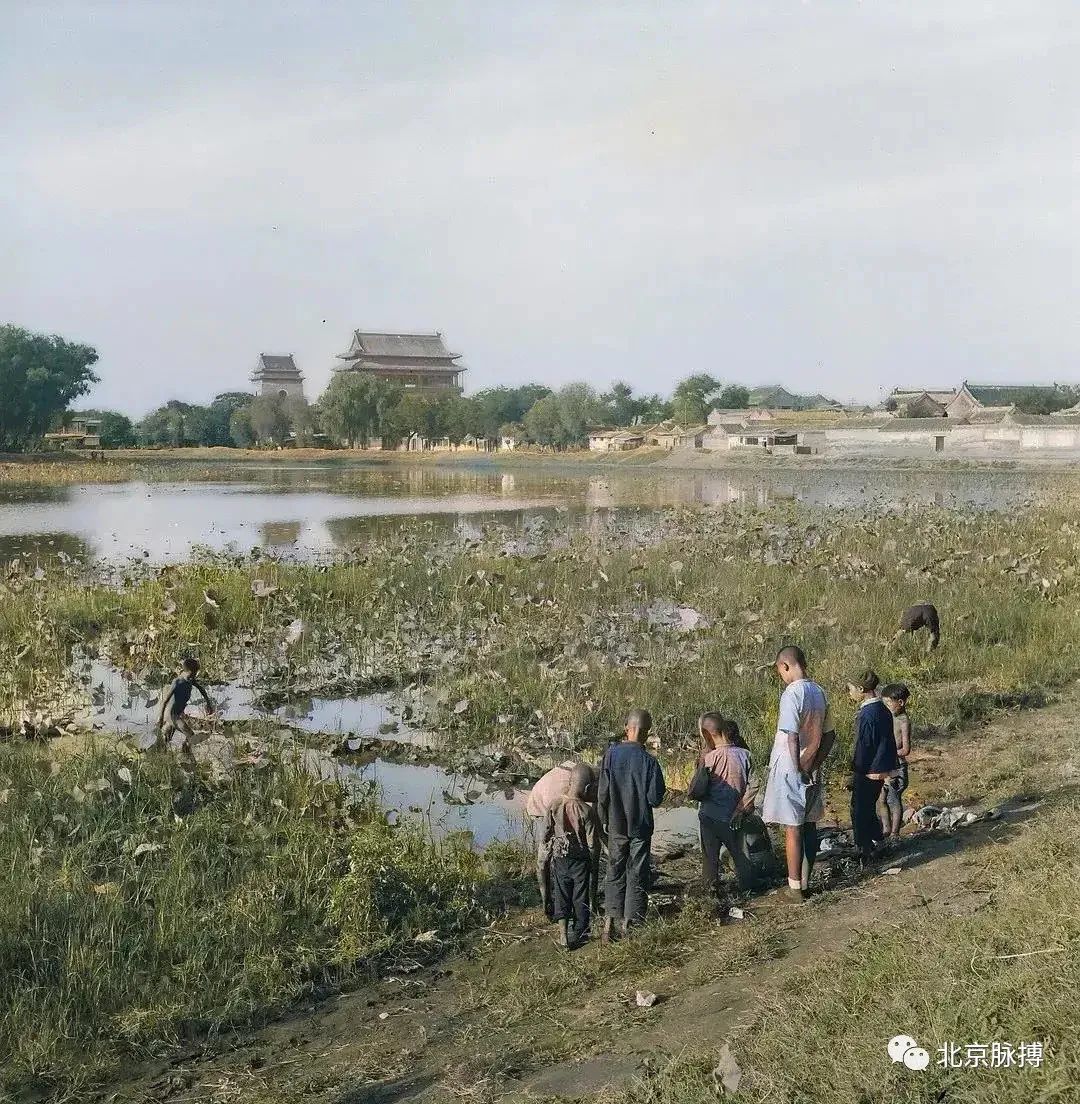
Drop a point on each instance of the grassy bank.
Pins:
(139, 905)
(1003, 972)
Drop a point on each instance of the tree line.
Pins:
(42, 375)
(358, 410)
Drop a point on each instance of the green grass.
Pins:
(264, 888)
(937, 977)
(139, 906)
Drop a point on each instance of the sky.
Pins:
(839, 196)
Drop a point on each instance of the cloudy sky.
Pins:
(841, 196)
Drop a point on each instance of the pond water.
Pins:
(319, 510)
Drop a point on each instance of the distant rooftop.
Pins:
(371, 344)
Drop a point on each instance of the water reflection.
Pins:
(317, 509)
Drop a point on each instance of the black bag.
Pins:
(698, 789)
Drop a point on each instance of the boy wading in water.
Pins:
(895, 696)
(794, 795)
(572, 839)
(175, 701)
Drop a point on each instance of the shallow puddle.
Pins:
(445, 800)
(121, 703)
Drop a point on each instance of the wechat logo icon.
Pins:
(903, 1048)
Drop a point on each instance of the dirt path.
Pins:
(515, 1018)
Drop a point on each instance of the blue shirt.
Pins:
(631, 786)
(875, 744)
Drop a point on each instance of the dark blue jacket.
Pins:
(875, 744)
(631, 786)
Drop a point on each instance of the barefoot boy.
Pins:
(175, 702)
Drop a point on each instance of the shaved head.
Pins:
(792, 656)
(712, 722)
(638, 721)
(790, 664)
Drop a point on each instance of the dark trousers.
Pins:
(865, 825)
(570, 890)
(626, 888)
(717, 834)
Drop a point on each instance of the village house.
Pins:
(906, 403)
(615, 440)
(670, 435)
(723, 435)
(772, 438)
(277, 374)
(969, 399)
(79, 433)
(416, 362)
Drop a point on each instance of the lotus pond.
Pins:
(382, 693)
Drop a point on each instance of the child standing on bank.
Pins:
(732, 790)
(895, 696)
(572, 837)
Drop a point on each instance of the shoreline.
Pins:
(644, 459)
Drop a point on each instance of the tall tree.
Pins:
(691, 400)
(303, 420)
(39, 376)
(222, 410)
(270, 419)
(356, 408)
(166, 426)
(621, 406)
(241, 432)
(562, 419)
(495, 406)
(733, 397)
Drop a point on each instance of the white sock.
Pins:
(794, 883)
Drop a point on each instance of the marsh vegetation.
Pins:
(143, 901)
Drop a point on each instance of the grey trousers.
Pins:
(626, 887)
(717, 834)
